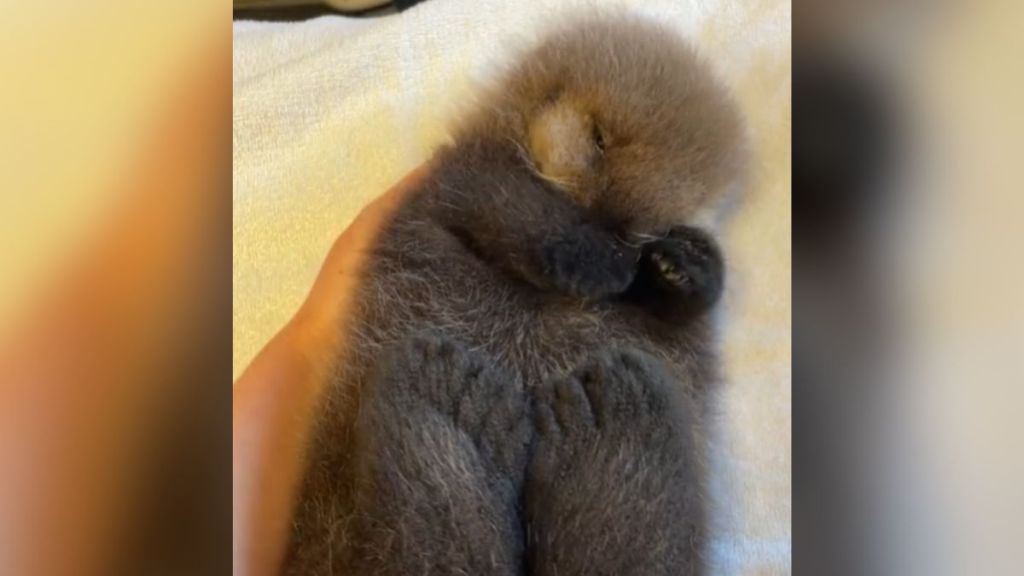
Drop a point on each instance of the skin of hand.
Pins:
(86, 366)
(274, 399)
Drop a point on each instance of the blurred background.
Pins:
(908, 330)
(115, 321)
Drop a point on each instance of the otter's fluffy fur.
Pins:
(552, 241)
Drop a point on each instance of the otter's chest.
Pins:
(533, 334)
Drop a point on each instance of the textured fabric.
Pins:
(328, 113)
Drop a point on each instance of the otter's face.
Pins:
(625, 119)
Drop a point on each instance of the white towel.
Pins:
(328, 113)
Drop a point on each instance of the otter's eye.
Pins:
(599, 140)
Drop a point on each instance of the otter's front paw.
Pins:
(588, 263)
(686, 264)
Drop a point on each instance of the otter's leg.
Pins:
(441, 454)
(613, 486)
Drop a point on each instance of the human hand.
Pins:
(275, 398)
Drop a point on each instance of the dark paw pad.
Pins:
(463, 387)
(688, 264)
(616, 394)
(429, 371)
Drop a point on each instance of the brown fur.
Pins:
(624, 116)
(554, 227)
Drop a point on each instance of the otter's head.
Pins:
(622, 116)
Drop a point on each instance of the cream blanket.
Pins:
(330, 112)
